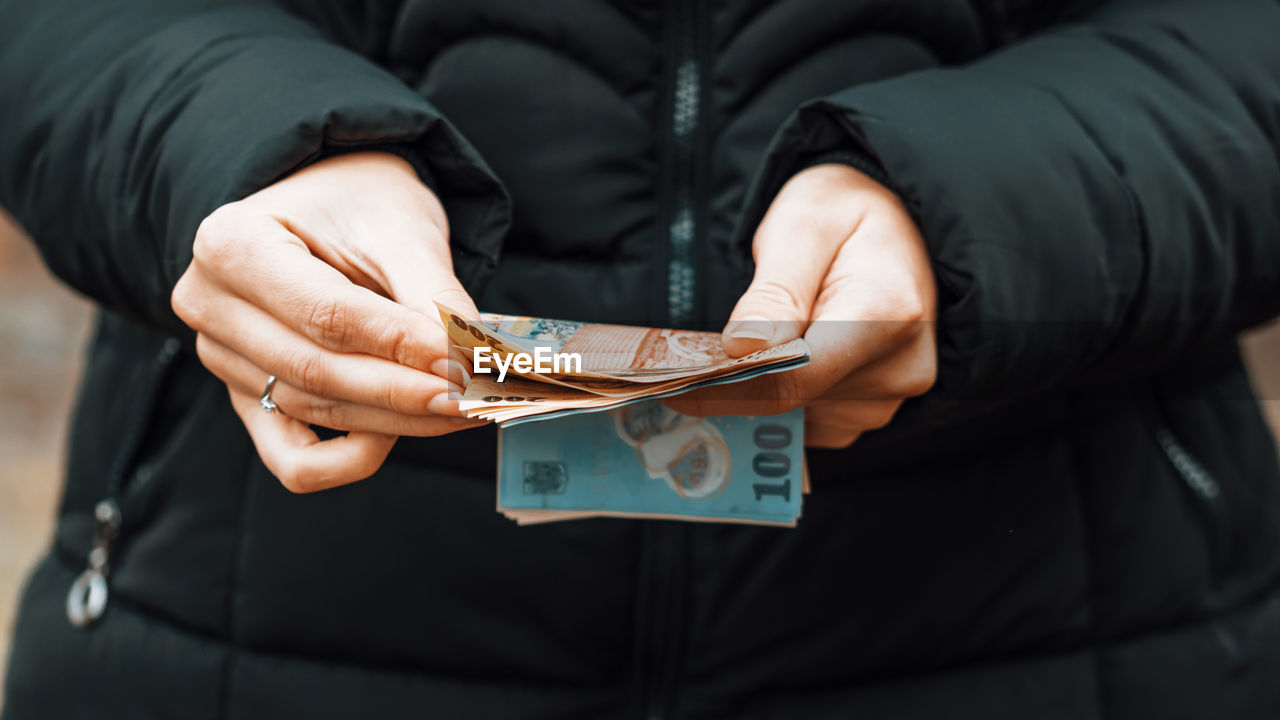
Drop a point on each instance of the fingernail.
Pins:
(451, 370)
(443, 404)
(458, 374)
(751, 328)
(461, 358)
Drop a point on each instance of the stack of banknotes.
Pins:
(619, 364)
(590, 439)
(645, 460)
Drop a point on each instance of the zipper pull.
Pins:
(88, 597)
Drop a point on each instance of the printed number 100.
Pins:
(770, 463)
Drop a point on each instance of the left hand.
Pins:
(840, 261)
(326, 278)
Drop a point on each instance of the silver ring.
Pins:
(265, 401)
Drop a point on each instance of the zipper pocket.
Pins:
(1205, 490)
(87, 599)
(1197, 478)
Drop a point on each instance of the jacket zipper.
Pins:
(1196, 477)
(1204, 489)
(87, 599)
(686, 105)
(663, 583)
(661, 629)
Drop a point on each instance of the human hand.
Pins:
(326, 280)
(840, 261)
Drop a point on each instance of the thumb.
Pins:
(792, 255)
(421, 274)
(421, 281)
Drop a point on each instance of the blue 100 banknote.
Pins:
(646, 460)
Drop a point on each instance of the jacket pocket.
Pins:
(1203, 489)
(127, 473)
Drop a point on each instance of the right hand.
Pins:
(326, 280)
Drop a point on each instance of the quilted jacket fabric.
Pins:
(1081, 521)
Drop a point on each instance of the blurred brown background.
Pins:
(43, 329)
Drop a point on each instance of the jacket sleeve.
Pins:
(1097, 198)
(125, 123)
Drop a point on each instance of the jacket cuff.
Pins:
(810, 136)
(859, 161)
(353, 106)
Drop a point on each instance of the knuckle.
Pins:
(400, 346)
(780, 405)
(896, 305)
(391, 398)
(786, 395)
(215, 236)
(307, 373)
(903, 301)
(295, 479)
(883, 310)
(329, 322)
(312, 409)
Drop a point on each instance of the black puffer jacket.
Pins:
(1081, 521)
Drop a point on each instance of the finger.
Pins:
(404, 257)
(403, 250)
(837, 425)
(908, 372)
(793, 248)
(363, 379)
(262, 262)
(419, 273)
(837, 348)
(829, 438)
(300, 459)
(853, 414)
(243, 376)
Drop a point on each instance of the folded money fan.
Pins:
(554, 368)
